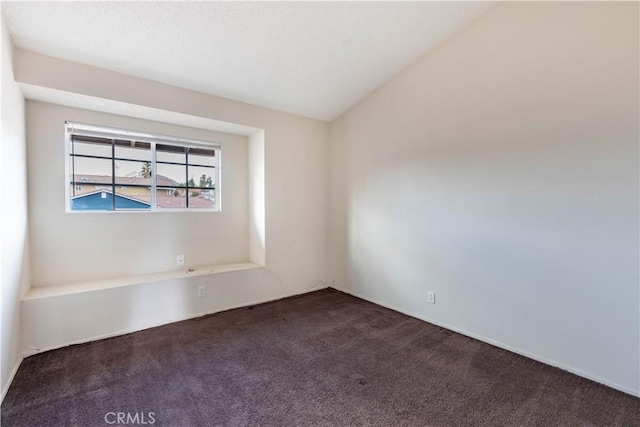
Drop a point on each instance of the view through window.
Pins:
(119, 170)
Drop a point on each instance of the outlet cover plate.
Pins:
(202, 291)
(431, 297)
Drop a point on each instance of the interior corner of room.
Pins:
(490, 187)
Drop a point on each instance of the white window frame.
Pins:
(152, 139)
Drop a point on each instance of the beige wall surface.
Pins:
(13, 224)
(79, 246)
(501, 172)
(295, 156)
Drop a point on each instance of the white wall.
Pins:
(296, 156)
(75, 247)
(283, 214)
(52, 320)
(13, 223)
(501, 172)
(257, 243)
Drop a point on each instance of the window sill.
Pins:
(76, 288)
(140, 211)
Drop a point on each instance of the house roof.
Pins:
(165, 202)
(161, 180)
(171, 202)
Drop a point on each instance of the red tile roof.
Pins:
(166, 202)
(177, 202)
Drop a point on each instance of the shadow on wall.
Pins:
(494, 229)
(173, 300)
(15, 271)
(62, 320)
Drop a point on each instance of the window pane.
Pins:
(89, 172)
(102, 150)
(95, 201)
(133, 198)
(198, 156)
(133, 173)
(170, 153)
(77, 189)
(201, 199)
(176, 200)
(202, 177)
(170, 175)
(134, 151)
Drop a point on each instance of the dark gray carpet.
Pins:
(321, 359)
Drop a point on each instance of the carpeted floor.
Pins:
(321, 359)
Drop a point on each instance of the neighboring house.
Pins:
(201, 201)
(125, 185)
(94, 192)
(103, 200)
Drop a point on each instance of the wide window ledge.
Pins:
(76, 288)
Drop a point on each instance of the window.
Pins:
(119, 170)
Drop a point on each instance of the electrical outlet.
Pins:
(202, 291)
(431, 297)
(179, 260)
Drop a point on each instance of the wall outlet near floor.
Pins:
(431, 297)
(179, 260)
(202, 291)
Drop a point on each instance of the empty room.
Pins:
(320, 213)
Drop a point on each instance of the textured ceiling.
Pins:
(315, 59)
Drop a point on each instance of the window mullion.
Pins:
(153, 177)
(186, 168)
(73, 167)
(113, 174)
(218, 175)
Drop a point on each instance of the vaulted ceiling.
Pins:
(315, 59)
